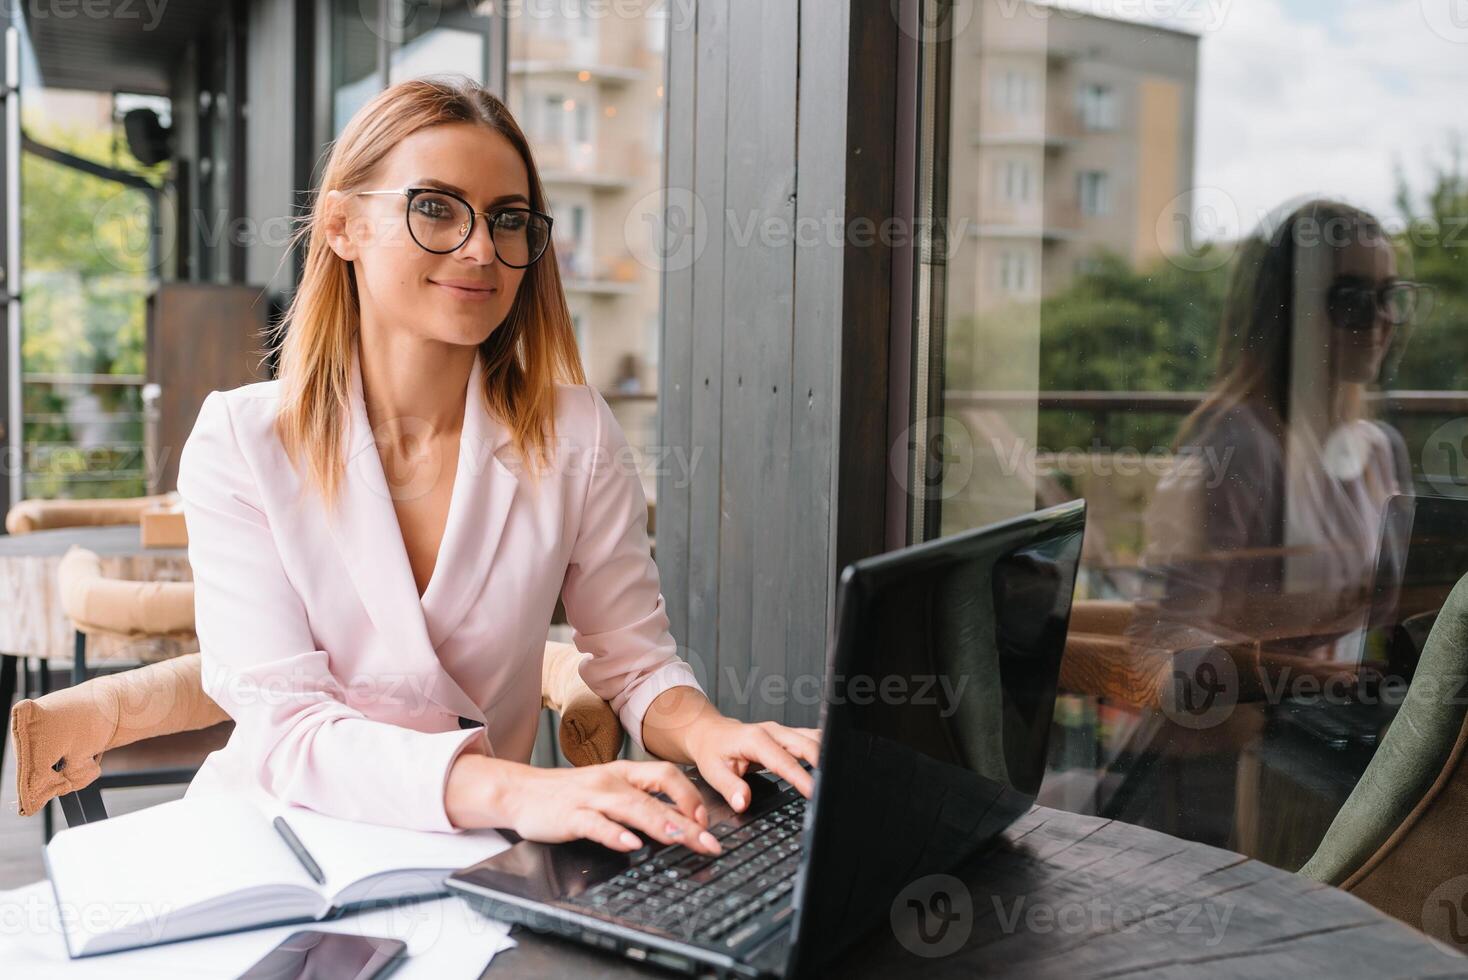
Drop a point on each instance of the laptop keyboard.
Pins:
(704, 898)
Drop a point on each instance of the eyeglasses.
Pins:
(441, 222)
(1354, 306)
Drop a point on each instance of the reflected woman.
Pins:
(1266, 527)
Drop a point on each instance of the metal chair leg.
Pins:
(8, 665)
(79, 658)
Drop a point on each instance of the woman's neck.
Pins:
(413, 388)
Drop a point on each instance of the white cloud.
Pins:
(1300, 97)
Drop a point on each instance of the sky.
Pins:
(1300, 97)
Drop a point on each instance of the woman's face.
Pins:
(1359, 344)
(462, 296)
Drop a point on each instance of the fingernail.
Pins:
(710, 841)
(674, 830)
(701, 815)
(738, 801)
(630, 839)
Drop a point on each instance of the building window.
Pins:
(582, 112)
(1093, 188)
(1098, 107)
(1016, 181)
(554, 107)
(1015, 92)
(1015, 274)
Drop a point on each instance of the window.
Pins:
(1093, 189)
(447, 37)
(552, 117)
(1235, 337)
(1015, 92)
(582, 112)
(1097, 107)
(1014, 271)
(1016, 181)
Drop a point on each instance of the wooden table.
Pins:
(32, 621)
(1074, 897)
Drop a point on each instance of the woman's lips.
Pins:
(462, 292)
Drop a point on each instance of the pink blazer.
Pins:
(350, 694)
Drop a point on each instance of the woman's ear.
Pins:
(336, 226)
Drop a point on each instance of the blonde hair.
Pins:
(524, 357)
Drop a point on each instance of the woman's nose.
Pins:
(479, 246)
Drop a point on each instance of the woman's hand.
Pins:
(602, 803)
(723, 750)
(682, 725)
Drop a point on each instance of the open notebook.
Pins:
(212, 864)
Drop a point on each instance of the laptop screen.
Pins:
(937, 709)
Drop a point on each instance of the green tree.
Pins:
(85, 282)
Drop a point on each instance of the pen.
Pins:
(299, 850)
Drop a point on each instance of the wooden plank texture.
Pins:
(1074, 897)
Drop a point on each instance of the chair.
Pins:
(42, 515)
(1397, 842)
(141, 612)
(146, 614)
(45, 515)
(158, 722)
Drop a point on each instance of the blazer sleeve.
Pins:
(262, 665)
(611, 594)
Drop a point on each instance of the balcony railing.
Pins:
(115, 463)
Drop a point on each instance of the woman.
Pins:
(379, 536)
(1267, 527)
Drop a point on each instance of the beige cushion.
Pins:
(71, 728)
(42, 515)
(590, 732)
(98, 604)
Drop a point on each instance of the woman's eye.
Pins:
(432, 209)
(511, 220)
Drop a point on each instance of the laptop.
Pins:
(935, 714)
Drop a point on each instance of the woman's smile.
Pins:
(469, 289)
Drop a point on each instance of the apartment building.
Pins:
(1071, 133)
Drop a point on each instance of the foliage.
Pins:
(85, 283)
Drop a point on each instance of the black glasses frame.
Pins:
(1420, 293)
(493, 217)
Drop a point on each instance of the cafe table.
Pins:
(1072, 897)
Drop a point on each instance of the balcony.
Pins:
(1052, 223)
(621, 276)
(1058, 129)
(605, 61)
(603, 164)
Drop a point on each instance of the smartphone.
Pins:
(312, 955)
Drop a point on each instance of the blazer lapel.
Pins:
(484, 489)
(367, 536)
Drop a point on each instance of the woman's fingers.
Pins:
(778, 760)
(664, 777)
(721, 775)
(798, 744)
(595, 826)
(634, 808)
